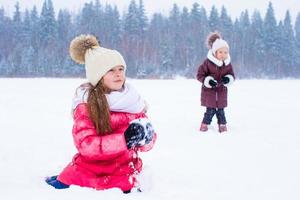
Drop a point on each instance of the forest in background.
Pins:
(34, 44)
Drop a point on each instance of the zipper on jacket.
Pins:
(217, 97)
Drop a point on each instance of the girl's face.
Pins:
(114, 78)
(222, 53)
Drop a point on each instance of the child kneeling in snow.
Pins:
(110, 124)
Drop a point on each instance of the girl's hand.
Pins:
(139, 133)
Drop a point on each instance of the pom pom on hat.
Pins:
(80, 44)
(85, 49)
(211, 38)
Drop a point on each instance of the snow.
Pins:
(258, 158)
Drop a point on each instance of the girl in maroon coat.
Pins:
(110, 124)
(216, 74)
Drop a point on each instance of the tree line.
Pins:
(34, 44)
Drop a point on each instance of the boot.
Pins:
(56, 183)
(203, 127)
(222, 128)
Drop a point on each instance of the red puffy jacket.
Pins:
(104, 161)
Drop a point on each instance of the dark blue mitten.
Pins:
(139, 133)
(225, 80)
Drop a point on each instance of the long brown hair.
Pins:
(98, 107)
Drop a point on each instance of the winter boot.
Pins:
(203, 127)
(56, 183)
(222, 128)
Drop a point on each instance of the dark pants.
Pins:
(210, 112)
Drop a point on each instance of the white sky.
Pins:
(234, 7)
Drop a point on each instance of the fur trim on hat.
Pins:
(80, 44)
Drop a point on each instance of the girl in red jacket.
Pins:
(216, 74)
(110, 124)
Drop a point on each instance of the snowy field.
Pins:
(257, 159)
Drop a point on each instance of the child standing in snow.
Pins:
(110, 124)
(215, 74)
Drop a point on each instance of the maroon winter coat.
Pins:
(214, 97)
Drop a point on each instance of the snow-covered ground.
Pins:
(258, 158)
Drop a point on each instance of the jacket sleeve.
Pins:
(201, 74)
(89, 143)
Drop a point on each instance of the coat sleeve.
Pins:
(202, 71)
(89, 143)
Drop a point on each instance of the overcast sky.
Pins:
(234, 7)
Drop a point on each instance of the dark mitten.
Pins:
(139, 133)
(212, 83)
(56, 183)
(225, 80)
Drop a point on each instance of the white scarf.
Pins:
(125, 100)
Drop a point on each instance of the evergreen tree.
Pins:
(143, 25)
(288, 48)
(157, 34)
(166, 63)
(17, 23)
(4, 67)
(131, 38)
(185, 42)
(243, 52)
(200, 29)
(270, 43)
(17, 34)
(132, 22)
(28, 55)
(6, 39)
(34, 28)
(134, 27)
(5, 43)
(26, 29)
(64, 26)
(297, 38)
(143, 20)
(112, 27)
(197, 34)
(97, 22)
(64, 34)
(85, 19)
(48, 26)
(256, 50)
(213, 20)
(175, 38)
(226, 26)
(47, 59)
